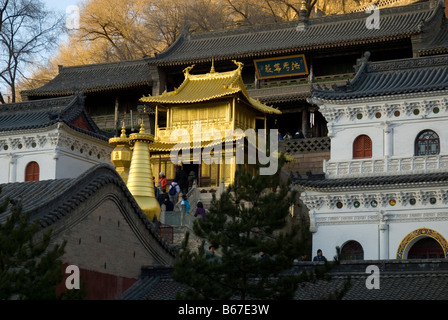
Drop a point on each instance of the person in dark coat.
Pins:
(319, 256)
(182, 179)
(169, 206)
(299, 135)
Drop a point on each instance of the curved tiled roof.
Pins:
(282, 38)
(419, 279)
(374, 182)
(47, 112)
(209, 86)
(95, 78)
(51, 200)
(387, 78)
(439, 44)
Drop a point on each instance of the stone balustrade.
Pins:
(393, 165)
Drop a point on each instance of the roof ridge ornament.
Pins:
(187, 70)
(212, 69)
(123, 131)
(239, 64)
(303, 18)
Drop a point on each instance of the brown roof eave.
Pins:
(430, 52)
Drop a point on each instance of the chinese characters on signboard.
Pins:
(281, 67)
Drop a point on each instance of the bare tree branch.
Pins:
(27, 31)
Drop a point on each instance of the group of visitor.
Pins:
(298, 135)
(179, 186)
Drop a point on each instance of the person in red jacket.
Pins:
(162, 182)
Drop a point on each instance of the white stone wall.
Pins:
(393, 136)
(368, 235)
(60, 152)
(330, 236)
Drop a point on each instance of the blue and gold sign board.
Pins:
(281, 67)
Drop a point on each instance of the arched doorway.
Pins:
(426, 248)
(423, 243)
(362, 147)
(32, 171)
(352, 250)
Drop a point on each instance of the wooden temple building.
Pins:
(203, 104)
(282, 62)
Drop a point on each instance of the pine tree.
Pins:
(245, 221)
(28, 268)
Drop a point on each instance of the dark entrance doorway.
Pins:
(426, 248)
(189, 168)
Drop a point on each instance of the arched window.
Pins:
(362, 147)
(352, 250)
(427, 143)
(32, 171)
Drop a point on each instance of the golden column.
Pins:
(121, 155)
(140, 182)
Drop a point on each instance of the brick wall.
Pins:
(104, 242)
(307, 162)
(99, 286)
(446, 8)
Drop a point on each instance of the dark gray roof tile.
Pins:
(50, 200)
(439, 44)
(399, 280)
(47, 112)
(373, 79)
(95, 78)
(375, 182)
(281, 38)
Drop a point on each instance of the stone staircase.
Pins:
(175, 224)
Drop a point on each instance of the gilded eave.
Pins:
(207, 87)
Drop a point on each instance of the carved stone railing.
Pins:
(300, 81)
(307, 145)
(405, 165)
(278, 88)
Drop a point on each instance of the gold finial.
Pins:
(212, 70)
(123, 131)
(142, 128)
(303, 6)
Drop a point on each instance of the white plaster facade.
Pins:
(60, 151)
(393, 126)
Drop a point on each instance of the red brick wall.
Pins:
(446, 8)
(99, 286)
(80, 123)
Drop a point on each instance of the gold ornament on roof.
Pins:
(303, 6)
(122, 154)
(212, 70)
(187, 70)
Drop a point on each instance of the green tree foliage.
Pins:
(29, 269)
(245, 221)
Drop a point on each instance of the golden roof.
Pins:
(209, 86)
(161, 146)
